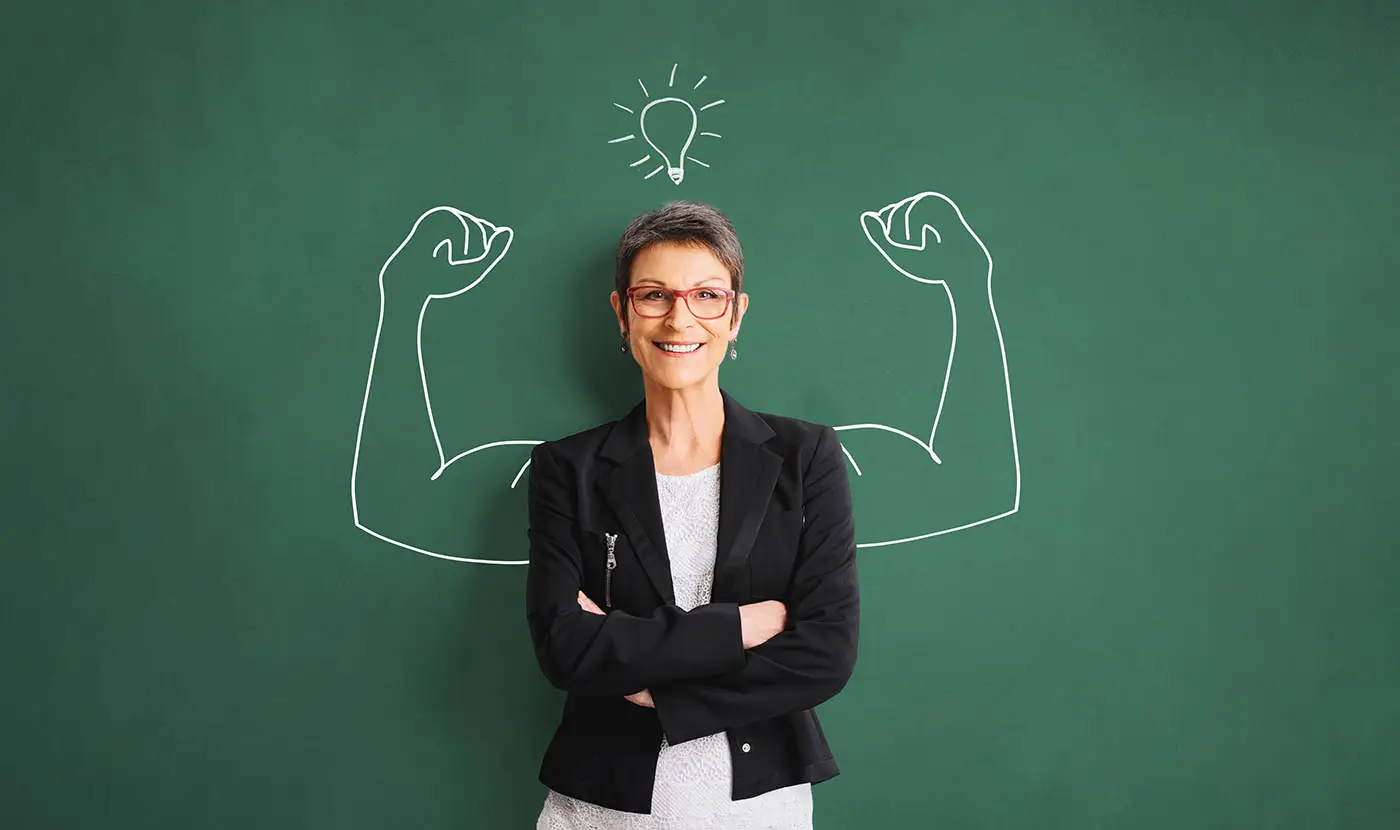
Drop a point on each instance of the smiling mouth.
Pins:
(678, 351)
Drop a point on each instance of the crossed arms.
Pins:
(701, 678)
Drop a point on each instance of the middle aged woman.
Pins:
(694, 624)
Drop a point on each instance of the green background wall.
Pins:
(1191, 621)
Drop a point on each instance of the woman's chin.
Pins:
(680, 377)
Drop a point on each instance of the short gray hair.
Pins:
(689, 223)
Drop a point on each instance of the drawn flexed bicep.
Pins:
(397, 476)
(958, 465)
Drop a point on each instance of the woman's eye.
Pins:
(653, 295)
(708, 295)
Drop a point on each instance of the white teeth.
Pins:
(681, 349)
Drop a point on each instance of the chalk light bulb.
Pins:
(675, 170)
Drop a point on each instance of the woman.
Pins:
(694, 626)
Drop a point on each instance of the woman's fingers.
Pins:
(588, 605)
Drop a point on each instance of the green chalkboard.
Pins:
(1121, 434)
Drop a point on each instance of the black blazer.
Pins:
(786, 532)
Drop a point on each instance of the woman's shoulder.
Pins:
(787, 426)
(787, 429)
(627, 431)
(798, 439)
(577, 443)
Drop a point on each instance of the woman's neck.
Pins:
(685, 428)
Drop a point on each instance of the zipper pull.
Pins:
(612, 563)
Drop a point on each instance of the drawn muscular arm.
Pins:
(967, 451)
(399, 457)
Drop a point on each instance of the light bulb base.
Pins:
(676, 174)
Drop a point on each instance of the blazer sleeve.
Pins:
(617, 653)
(813, 658)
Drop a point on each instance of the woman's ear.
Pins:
(617, 312)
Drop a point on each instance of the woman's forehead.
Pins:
(678, 265)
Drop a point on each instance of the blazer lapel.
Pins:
(748, 474)
(630, 490)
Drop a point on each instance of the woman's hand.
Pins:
(589, 605)
(762, 621)
(642, 698)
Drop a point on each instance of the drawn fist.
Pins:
(926, 238)
(446, 253)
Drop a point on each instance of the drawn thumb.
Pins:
(875, 229)
(878, 234)
(498, 240)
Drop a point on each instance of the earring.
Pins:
(623, 348)
(733, 352)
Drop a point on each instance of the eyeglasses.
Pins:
(705, 302)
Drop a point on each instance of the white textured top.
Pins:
(694, 778)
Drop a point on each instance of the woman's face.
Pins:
(675, 265)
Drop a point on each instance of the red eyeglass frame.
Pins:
(684, 294)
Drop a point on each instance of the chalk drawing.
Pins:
(671, 156)
(889, 228)
(472, 228)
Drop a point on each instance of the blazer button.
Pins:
(746, 747)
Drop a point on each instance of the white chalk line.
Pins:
(885, 216)
(675, 170)
(488, 243)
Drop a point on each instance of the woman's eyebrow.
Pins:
(653, 281)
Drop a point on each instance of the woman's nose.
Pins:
(679, 313)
